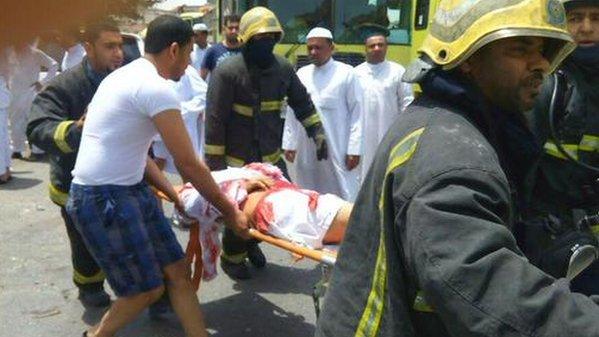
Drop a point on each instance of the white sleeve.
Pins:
(405, 93)
(355, 106)
(157, 96)
(47, 62)
(159, 149)
(290, 131)
(198, 89)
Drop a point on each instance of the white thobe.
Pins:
(197, 56)
(332, 87)
(24, 68)
(384, 96)
(191, 90)
(5, 151)
(72, 57)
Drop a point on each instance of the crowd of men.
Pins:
(476, 196)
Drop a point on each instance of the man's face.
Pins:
(509, 71)
(319, 50)
(376, 49)
(231, 30)
(200, 38)
(583, 24)
(180, 57)
(106, 52)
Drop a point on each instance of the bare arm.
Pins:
(172, 130)
(154, 176)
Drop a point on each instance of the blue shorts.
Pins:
(127, 234)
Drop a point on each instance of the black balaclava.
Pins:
(260, 51)
(588, 56)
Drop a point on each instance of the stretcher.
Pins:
(325, 257)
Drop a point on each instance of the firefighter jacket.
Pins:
(244, 111)
(52, 127)
(564, 189)
(428, 249)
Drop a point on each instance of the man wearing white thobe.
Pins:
(333, 89)
(200, 45)
(24, 65)
(72, 56)
(383, 94)
(191, 91)
(5, 152)
(70, 40)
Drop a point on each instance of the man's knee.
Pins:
(178, 273)
(153, 295)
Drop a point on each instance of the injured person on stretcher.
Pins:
(274, 206)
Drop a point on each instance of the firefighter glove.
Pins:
(322, 152)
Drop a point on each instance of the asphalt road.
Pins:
(38, 298)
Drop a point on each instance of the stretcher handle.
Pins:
(163, 196)
(316, 255)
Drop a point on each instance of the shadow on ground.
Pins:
(18, 183)
(243, 314)
(247, 314)
(276, 279)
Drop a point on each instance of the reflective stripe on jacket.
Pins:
(244, 120)
(428, 250)
(52, 128)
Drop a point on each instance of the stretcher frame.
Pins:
(326, 259)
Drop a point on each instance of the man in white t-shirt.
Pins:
(111, 205)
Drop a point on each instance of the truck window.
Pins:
(350, 15)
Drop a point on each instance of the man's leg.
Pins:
(184, 299)
(254, 253)
(123, 311)
(87, 275)
(5, 152)
(114, 221)
(17, 115)
(233, 256)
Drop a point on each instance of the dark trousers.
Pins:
(235, 248)
(87, 275)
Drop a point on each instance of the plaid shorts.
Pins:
(127, 234)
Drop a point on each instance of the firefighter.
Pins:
(440, 198)
(565, 192)
(244, 109)
(55, 125)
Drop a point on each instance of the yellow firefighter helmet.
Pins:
(258, 20)
(461, 27)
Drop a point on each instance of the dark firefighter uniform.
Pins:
(563, 189)
(244, 119)
(244, 112)
(428, 249)
(438, 258)
(52, 128)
